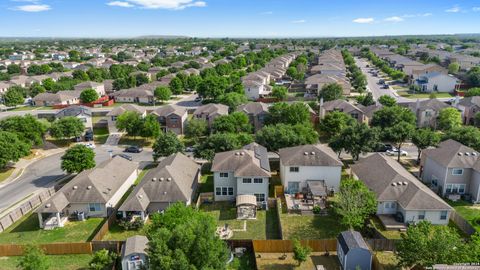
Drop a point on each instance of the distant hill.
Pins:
(161, 37)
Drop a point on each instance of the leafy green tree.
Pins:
(424, 245)
(234, 123)
(67, 127)
(453, 68)
(88, 95)
(468, 135)
(167, 144)
(33, 258)
(141, 79)
(11, 148)
(399, 134)
(477, 119)
(232, 100)
(334, 122)
(77, 159)
(424, 138)
(473, 76)
(102, 260)
(184, 238)
(176, 85)
(213, 87)
(130, 122)
(300, 253)
(355, 203)
(331, 91)
(220, 142)
(14, 69)
(356, 139)
(36, 89)
(292, 72)
(163, 93)
(449, 118)
(391, 116)
(274, 137)
(80, 75)
(295, 113)
(366, 100)
(13, 97)
(473, 92)
(192, 83)
(387, 101)
(150, 127)
(280, 92)
(27, 128)
(196, 128)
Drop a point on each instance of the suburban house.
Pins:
(357, 111)
(241, 172)
(425, 69)
(134, 95)
(92, 193)
(257, 112)
(301, 166)
(113, 114)
(134, 253)
(98, 87)
(67, 97)
(81, 112)
(353, 252)
(427, 111)
(316, 82)
(437, 82)
(209, 112)
(452, 169)
(256, 89)
(399, 193)
(175, 179)
(172, 118)
(469, 107)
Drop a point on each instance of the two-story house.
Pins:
(113, 114)
(98, 87)
(209, 112)
(172, 118)
(437, 82)
(358, 112)
(300, 164)
(452, 168)
(427, 111)
(81, 112)
(257, 112)
(469, 107)
(241, 172)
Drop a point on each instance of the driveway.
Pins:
(46, 172)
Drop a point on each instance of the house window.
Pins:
(455, 188)
(218, 191)
(230, 191)
(421, 215)
(448, 189)
(434, 181)
(173, 119)
(247, 180)
(114, 118)
(457, 171)
(260, 197)
(258, 180)
(224, 191)
(443, 215)
(224, 174)
(95, 207)
(294, 169)
(390, 205)
(354, 115)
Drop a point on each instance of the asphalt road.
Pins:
(45, 172)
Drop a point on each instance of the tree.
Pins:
(163, 93)
(300, 253)
(13, 97)
(292, 72)
(150, 127)
(235, 122)
(67, 127)
(196, 128)
(184, 238)
(366, 100)
(449, 118)
(279, 92)
(473, 92)
(233, 100)
(334, 122)
(33, 258)
(283, 113)
(78, 158)
(468, 135)
(473, 76)
(221, 142)
(453, 68)
(356, 139)
(166, 144)
(176, 85)
(11, 148)
(80, 75)
(141, 79)
(130, 122)
(442, 244)
(424, 138)
(331, 91)
(102, 260)
(355, 203)
(398, 134)
(14, 69)
(391, 116)
(274, 137)
(387, 101)
(27, 128)
(88, 95)
(213, 87)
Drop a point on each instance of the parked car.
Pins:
(90, 145)
(89, 135)
(189, 149)
(198, 99)
(127, 157)
(386, 86)
(385, 147)
(382, 81)
(133, 149)
(395, 153)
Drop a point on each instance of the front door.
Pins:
(293, 187)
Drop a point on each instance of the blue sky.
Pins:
(236, 18)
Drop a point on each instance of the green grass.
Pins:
(408, 94)
(246, 262)
(468, 211)
(272, 261)
(30, 108)
(56, 262)
(27, 230)
(60, 142)
(5, 173)
(100, 135)
(274, 181)
(206, 183)
(388, 260)
(310, 226)
(96, 119)
(138, 141)
(118, 233)
(389, 234)
(264, 227)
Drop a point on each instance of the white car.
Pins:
(394, 152)
(90, 145)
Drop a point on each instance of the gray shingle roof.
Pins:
(309, 155)
(254, 108)
(73, 111)
(135, 244)
(126, 107)
(170, 109)
(250, 161)
(212, 109)
(350, 240)
(452, 154)
(392, 182)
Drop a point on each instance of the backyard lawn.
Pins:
(310, 226)
(27, 230)
(390, 234)
(118, 233)
(100, 135)
(264, 227)
(272, 261)
(468, 211)
(56, 262)
(388, 260)
(206, 183)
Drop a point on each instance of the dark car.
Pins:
(386, 86)
(89, 135)
(385, 147)
(133, 149)
(127, 157)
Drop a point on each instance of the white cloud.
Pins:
(32, 8)
(120, 4)
(299, 21)
(394, 19)
(162, 4)
(364, 20)
(476, 9)
(454, 9)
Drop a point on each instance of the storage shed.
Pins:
(353, 252)
(134, 254)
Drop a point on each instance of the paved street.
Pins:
(46, 171)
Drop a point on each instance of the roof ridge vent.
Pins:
(75, 187)
(154, 179)
(237, 153)
(89, 187)
(169, 179)
(305, 153)
(313, 153)
(242, 153)
(394, 184)
(460, 153)
(474, 154)
(161, 179)
(405, 183)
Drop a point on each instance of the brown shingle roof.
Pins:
(309, 155)
(249, 161)
(452, 154)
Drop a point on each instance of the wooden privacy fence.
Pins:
(50, 249)
(466, 227)
(202, 197)
(317, 245)
(21, 210)
(278, 191)
(105, 226)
